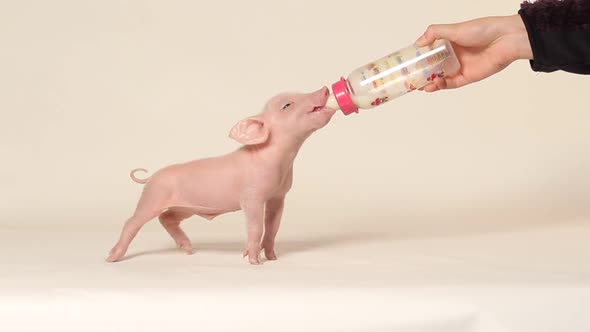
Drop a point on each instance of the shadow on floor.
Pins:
(365, 229)
(284, 247)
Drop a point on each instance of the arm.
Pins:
(484, 47)
(551, 34)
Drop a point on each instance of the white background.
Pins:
(91, 89)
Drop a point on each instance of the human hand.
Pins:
(484, 47)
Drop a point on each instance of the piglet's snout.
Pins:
(319, 98)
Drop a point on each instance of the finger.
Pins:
(435, 32)
(440, 83)
(431, 88)
(446, 83)
(455, 82)
(428, 87)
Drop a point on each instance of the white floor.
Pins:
(533, 279)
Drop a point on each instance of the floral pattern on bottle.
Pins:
(379, 101)
(440, 73)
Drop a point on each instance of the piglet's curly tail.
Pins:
(132, 174)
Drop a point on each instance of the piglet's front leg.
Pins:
(254, 211)
(272, 221)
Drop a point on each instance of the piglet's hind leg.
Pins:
(130, 230)
(170, 220)
(150, 205)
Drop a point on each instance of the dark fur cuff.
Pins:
(551, 15)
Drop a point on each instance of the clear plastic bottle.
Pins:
(393, 76)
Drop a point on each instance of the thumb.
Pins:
(437, 31)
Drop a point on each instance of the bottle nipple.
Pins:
(332, 103)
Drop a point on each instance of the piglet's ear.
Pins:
(250, 131)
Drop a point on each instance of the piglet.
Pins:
(254, 178)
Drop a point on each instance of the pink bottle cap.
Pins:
(343, 98)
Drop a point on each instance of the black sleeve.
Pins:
(559, 33)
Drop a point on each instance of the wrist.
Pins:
(516, 34)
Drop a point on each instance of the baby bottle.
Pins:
(393, 76)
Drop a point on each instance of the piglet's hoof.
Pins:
(269, 252)
(116, 254)
(187, 247)
(270, 255)
(253, 255)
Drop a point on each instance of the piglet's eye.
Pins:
(287, 105)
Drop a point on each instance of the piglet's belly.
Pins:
(202, 211)
(207, 188)
(206, 201)
(211, 200)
